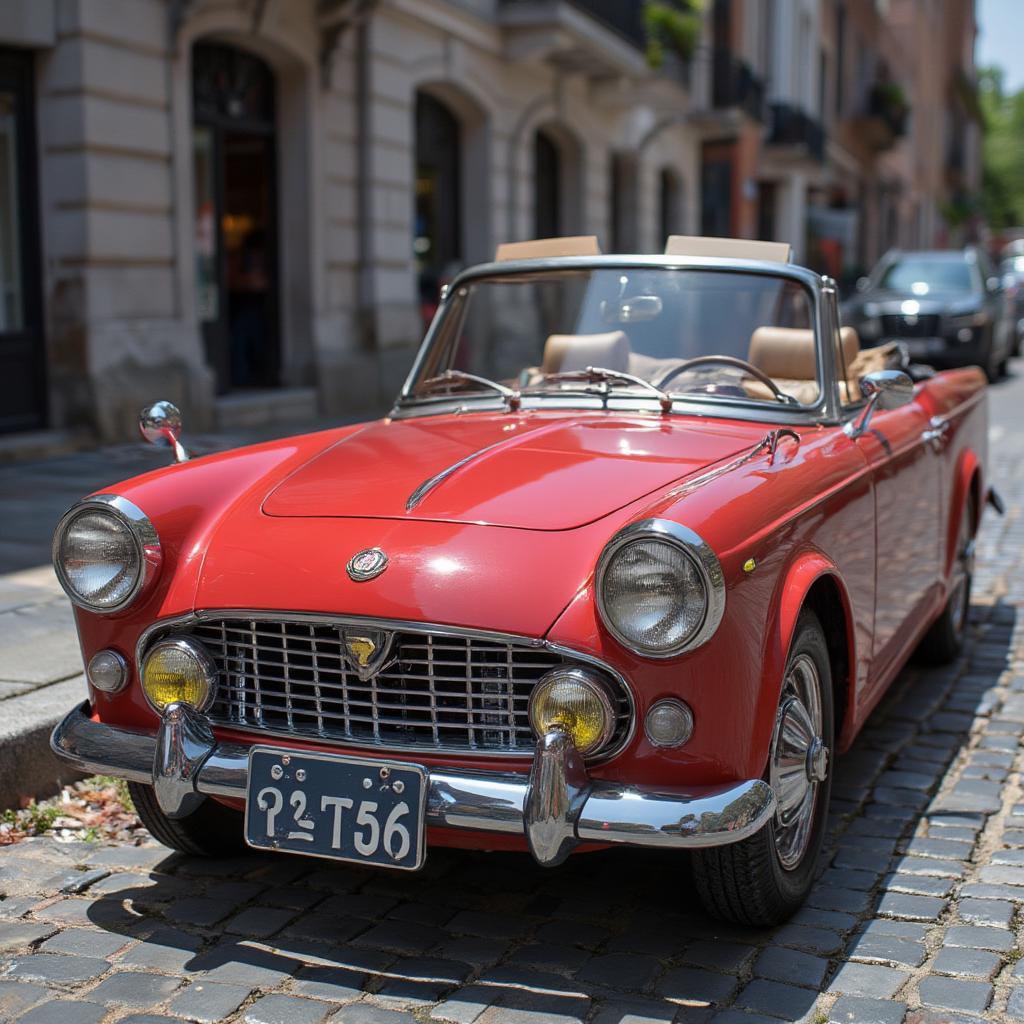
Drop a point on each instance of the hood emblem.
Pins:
(366, 651)
(367, 564)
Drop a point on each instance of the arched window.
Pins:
(437, 241)
(547, 186)
(235, 188)
(670, 205)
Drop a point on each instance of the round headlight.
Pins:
(577, 703)
(105, 550)
(660, 589)
(179, 670)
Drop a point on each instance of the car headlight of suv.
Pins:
(660, 589)
(105, 553)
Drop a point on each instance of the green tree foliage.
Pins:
(672, 25)
(1003, 151)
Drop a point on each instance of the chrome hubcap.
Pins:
(799, 760)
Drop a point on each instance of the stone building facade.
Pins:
(248, 206)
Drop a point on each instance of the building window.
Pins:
(547, 180)
(716, 189)
(437, 241)
(670, 205)
(22, 355)
(234, 163)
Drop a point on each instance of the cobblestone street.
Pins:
(916, 915)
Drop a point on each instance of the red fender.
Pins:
(963, 478)
(795, 583)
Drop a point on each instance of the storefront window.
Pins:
(11, 311)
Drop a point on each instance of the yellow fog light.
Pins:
(178, 669)
(576, 702)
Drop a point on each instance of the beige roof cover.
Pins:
(542, 248)
(733, 248)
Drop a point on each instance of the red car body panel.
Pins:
(509, 543)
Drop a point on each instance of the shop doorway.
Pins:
(22, 351)
(236, 235)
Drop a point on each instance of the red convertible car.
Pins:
(640, 546)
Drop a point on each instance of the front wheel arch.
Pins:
(812, 581)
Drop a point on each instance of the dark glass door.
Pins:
(547, 176)
(22, 352)
(235, 181)
(437, 243)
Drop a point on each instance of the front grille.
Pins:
(441, 690)
(896, 325)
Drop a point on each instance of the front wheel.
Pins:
(764, 879)
(211, 830)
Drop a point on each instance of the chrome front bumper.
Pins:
(556, 806)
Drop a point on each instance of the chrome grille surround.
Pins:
(448, 689)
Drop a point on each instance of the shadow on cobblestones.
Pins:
(912, 909)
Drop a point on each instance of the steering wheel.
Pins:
(742, 364)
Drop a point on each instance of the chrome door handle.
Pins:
(936, 433)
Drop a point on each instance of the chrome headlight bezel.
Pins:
(703, 560)
(142, 533)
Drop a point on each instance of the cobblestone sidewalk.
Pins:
(915, 917)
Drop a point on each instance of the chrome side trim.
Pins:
(428, 485)
(363, 622)
(704, 560)
(144, 536)
(467, 800)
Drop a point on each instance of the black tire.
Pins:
(212, 830)
(944, 640)
(746, 882)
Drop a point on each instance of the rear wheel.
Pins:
(945, 639)
(764, 879)
(212, 830)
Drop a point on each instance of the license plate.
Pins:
(344, 808)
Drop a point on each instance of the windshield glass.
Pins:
(923, 274)
(539, 332)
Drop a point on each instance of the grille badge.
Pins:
(367, 564)
(366, 650)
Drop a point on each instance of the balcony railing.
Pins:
(625, 18)
(790, 126)
(734, 84)
(888, 107)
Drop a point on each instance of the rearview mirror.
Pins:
(884, 389)
(160, 424)
(863, 284)
(631, 309)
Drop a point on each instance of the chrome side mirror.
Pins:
(160, 424)
(884, 389)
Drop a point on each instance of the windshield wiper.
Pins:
(602, 375)
(513, 399)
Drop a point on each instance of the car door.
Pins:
(905, 477)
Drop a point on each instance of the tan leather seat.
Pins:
(563, 352)
(787, 355)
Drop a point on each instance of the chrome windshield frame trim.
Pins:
(153, 632)
(825, 409)
(144, 536)
(704, 560)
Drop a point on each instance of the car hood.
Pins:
(888, 301)
(534, 470)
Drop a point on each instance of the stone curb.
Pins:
(27, 767)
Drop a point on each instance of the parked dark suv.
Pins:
(1011, 268)
(948, 307)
